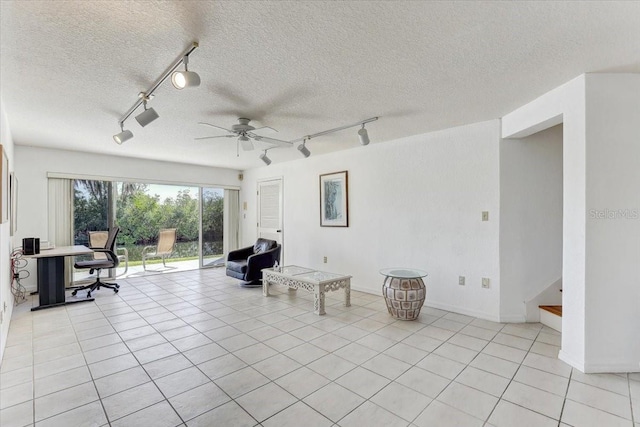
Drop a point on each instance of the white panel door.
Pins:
(270, 208)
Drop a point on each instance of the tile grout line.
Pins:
(104, 410)
(633, 421)
(566, 394)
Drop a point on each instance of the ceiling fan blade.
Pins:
(212, 137)
(246, 144)
(271, 140)
(214, 126)
(266, 127)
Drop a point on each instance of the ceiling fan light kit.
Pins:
(180, 80)
(244, 131)
(245, 143)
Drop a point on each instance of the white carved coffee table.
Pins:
(318, 282)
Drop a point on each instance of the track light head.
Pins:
(182, 79)
(186, 78)
(304, 150)
(265, 159)
(123, 136)
(363, 135)
(147, 116)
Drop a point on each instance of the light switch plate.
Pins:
(485, 282)
(485, 215)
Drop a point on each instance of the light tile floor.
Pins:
(193, 348)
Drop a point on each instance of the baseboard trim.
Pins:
(562, 355)
(462, 310)
(513, 318)
(621, 366)
(365, 290)
(516, 318)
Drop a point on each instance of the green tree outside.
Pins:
(140, 216)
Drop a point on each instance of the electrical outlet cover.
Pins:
(461, 280)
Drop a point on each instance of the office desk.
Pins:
(51, 290)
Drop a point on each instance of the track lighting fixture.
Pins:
(180, 80)
(186, 78)
(148, 115)
(264, 158)
(303, 149)
(123, 136)
(363, 135)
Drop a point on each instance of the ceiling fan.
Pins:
(245, 134)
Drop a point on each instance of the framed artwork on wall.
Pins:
(334, 199)
(4, 186)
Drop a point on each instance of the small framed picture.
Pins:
(334, 199)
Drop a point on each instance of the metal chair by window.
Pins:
(164, 248)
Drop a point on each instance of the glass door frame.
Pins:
(201, 255)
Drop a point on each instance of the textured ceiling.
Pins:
(71, 69)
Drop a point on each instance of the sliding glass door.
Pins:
(206, 226)
(92, 211)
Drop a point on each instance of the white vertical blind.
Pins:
(231, 220)
(61, 218)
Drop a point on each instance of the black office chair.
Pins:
(110, 260)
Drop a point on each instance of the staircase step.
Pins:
(554, 309)
(551, 316)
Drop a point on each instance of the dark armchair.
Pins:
(247, 263)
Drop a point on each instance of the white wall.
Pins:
(414, 202)
(601, 289)
(33, 164)
(613, 242)
(530, 221)
(5, 240)
(566, 102)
